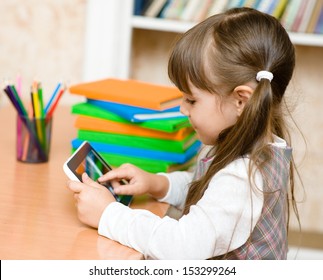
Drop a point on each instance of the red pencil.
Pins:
(54, 105)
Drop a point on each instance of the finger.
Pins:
(75, 186)
(122, 172)
(113, 183)
(87, 180)
(123, 189)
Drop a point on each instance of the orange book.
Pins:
(130, 92)
(96, 124)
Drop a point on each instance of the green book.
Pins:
(138, 141)
(167, 125)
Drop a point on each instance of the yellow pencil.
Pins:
(37, 113)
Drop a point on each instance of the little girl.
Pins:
(233, 69)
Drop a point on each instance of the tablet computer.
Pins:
(87, 159)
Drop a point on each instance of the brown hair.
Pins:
(225, 51)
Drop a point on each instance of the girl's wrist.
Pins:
(159, 186)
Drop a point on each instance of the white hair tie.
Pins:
(264, 75)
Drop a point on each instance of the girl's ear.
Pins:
(241, 95)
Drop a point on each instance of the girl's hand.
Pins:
(91, 200)
(139, 181)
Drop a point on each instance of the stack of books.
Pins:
(128, 121)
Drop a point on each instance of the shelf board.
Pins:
(307, 39)
(177, 26)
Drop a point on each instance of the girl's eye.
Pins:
(190, 101)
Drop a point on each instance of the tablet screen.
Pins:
(86, 159)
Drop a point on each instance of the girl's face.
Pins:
(208, 113)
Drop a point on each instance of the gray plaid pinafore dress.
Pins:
(268, 240)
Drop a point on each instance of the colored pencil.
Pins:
(48, 105)
(54, 104)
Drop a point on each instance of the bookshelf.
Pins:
(109, 35)
(158, 24)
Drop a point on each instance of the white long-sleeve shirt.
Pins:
(221, 221)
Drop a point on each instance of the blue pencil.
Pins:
(52, 98)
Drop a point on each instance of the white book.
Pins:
(307, 15)
(218, 7)
(190, 10)
(264, 5)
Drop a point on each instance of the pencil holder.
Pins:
(33, 139)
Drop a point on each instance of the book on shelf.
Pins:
(130, 92)
(142, 153)
(267, 6)
(155, 7)
(137, 114)
(299, 15)
(279, 8)
(290, 13)
(315, 16)
(97, 124)
(319, 24)
(169, 125)
(174, 9)
(250, 3)
(190, 10)
(140, 6)
(217, 7)
(307, 14)
(202, 10)
(234, 4)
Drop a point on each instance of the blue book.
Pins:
(137, 114)
(140, 6)
(142, 153)
(319, 24)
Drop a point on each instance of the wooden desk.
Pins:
(37, 212)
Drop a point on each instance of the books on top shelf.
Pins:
(146, 137)
(302, 16)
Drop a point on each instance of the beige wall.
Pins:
(44, 39)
